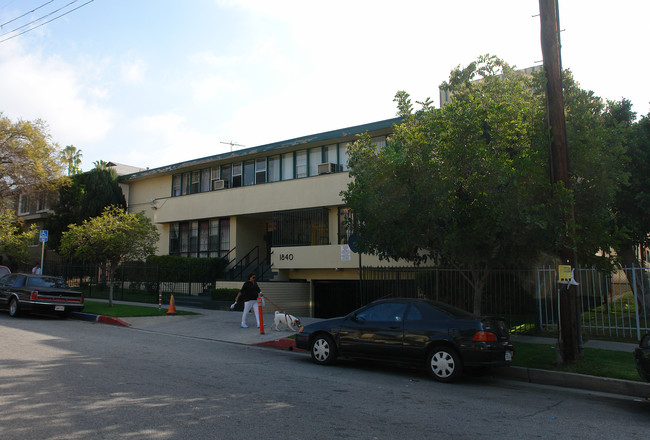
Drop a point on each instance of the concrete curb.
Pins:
(536, 376)
(574, 380)
(99, 318)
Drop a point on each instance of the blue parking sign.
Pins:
(43, 237)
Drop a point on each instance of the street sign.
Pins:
(43, 237)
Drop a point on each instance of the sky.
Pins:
(150, 83)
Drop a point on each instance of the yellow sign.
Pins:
(563, 273)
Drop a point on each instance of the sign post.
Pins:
(43, 238)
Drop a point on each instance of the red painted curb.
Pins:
(282, 344)
(113, 321)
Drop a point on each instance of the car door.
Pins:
(423, 324)
(6, 282)
(376, 331)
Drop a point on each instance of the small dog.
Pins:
(290, 321)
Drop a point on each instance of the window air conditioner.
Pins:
(217, 184)
(326, 168)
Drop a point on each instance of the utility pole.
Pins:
(568, 347)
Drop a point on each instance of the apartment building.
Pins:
(275, 209)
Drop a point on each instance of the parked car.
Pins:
(21, 292)
(444, 339)
(4, 270)
(642, 357)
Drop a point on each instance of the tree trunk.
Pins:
(639, 280)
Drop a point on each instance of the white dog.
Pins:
(290, 321)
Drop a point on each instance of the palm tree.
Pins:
(100, 165)
(71, 156)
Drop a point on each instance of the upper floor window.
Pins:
(249, 173)
(236, 175)
(23, 204)
(274, 168)
(287, 166)
(301, 164)
(315, 158)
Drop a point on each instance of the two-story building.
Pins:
(276, 209)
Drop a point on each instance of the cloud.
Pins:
(33, 86)
(133, 70)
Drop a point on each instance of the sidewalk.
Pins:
(224, 326)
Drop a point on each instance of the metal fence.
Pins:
(137, 283)
(528, 299)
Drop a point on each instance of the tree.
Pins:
(468, 185)
(71, 156)
(633, 199)
(29, 160)
(82, 196)
(13, 239)
(111, 239)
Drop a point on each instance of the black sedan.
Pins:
(21, 292)
(642, 357)
(440, 337)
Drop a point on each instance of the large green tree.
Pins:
(111, 239)
(82, 196)
(14, 239)
(632, 205)
(29, 160)
(467, 185)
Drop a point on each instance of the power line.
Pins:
(26, 13)
(43, 24)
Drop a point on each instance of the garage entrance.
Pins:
(335, 298)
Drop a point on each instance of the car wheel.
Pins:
(13, 307)
(323, 350)
(444, 364)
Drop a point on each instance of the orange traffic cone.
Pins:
(172, 306)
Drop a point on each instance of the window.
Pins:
(301, 164)
(186, 184)
(204, 238)
(260, 171)
(194, 238)
(307, 227)
(200, 238)
(315, 157)
(215, 175)
(249, 173)
(23, 204)
(205, 180)
(226, 175)
(236, 174)
(343, 155)
(331, 153)
(287, 166)
(176, 185)
(174, 239)
(274, 169)
(196, 182)
(384, 312)
(344, 233)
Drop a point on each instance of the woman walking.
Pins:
(249, 293)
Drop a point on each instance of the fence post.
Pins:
(636, 304)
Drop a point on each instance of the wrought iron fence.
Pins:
(137, 283)
(608, 304)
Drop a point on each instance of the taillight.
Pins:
(33, 296)
(485, 337)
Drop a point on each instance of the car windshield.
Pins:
(47, 282)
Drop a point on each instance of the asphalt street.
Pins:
(224, 326)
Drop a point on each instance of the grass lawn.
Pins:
(126, 310)
(596, 362)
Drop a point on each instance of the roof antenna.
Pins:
(232, 144)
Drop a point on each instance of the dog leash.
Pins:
(279, 308)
